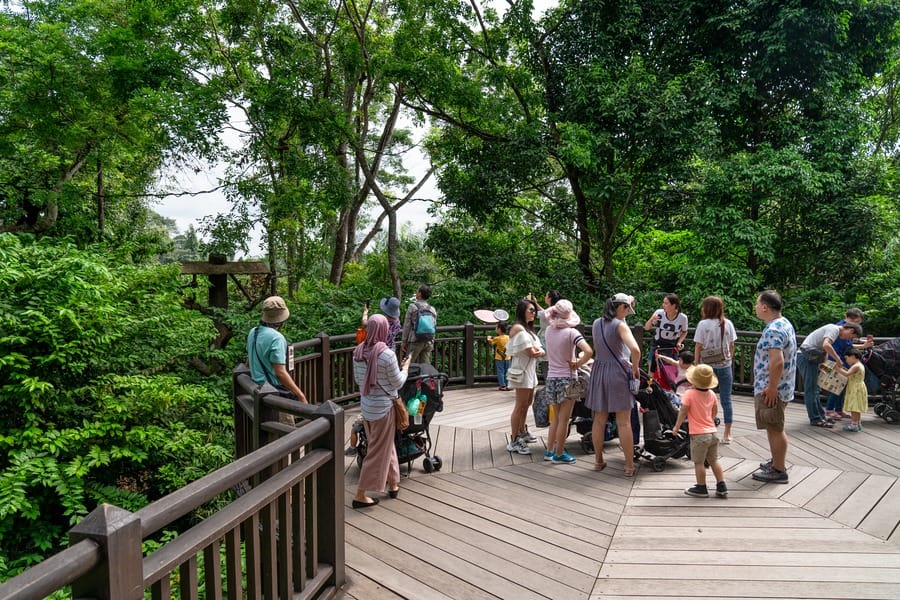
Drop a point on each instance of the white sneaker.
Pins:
(518, 446)
(527, 437)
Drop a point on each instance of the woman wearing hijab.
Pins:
(378, 377)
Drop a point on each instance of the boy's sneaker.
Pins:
(563, 459)
(766, 466)
(548, 455)
(527, 437)
(771, 476)
(518, 446)
(698, 491)
(721, 490)
(852, 427)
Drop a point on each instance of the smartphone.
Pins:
(368, 303)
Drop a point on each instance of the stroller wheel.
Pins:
(879, 409)
(436, 462)
(428, 465)
(658, 465)
(891, 416)
(587, 445)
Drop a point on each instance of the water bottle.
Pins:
(412, 407)
(417, 418)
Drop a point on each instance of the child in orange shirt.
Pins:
(699, 405)
(501, 360)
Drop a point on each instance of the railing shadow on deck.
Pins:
(282, 537)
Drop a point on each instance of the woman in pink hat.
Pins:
(563, 343)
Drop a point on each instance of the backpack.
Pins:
(426, 323)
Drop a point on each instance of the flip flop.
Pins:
(599, 466)
(823, 423)
(630, 472)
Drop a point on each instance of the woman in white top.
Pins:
(524, 348)
(715, 337)
(378, 376)
(671, 329)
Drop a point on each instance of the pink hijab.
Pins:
(376, 342)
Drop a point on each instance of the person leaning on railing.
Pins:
(267, 352)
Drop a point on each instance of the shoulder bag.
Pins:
(714, 355)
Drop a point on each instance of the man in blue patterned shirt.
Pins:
(774, 375)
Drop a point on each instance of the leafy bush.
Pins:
(93, 407)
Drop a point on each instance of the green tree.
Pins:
(96, 97)
(324, 143)
(98, 405)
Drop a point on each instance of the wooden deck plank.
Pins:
(529, 569)
(437, 552)
(834, 495)
(482, 456)
(749, 588)
(882, 519)
(561, 533)
(773, 558)
(811, 487)
(863, 499)
(387, 568)
(495, 525)
(517, 532)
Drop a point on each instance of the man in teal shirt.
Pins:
(267, 349)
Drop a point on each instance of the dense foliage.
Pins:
(95, 405)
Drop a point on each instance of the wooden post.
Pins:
(469, 353)
(330, 494)
(121, 575)
(218, 289)
(241, 443)
(323, 370)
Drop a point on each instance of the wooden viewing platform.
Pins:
(495, 525)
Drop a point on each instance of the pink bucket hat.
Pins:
(563, 315)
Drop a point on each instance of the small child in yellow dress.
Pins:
(856, 399)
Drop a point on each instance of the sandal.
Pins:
(629, 472)
(823, 423)
(599, 466)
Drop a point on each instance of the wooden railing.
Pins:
(323, 366)
(282, 537)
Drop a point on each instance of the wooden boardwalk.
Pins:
(495, 525)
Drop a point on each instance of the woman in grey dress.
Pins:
(609, 390)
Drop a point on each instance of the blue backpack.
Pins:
(426, 323)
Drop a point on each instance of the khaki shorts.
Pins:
(769, 418)
(704, 448)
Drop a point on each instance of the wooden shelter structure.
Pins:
(218, 270)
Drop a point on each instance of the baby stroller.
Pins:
(666, 375)
(427, 384)
(883, 376)
(660, 443)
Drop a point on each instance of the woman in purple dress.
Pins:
(611, 374)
